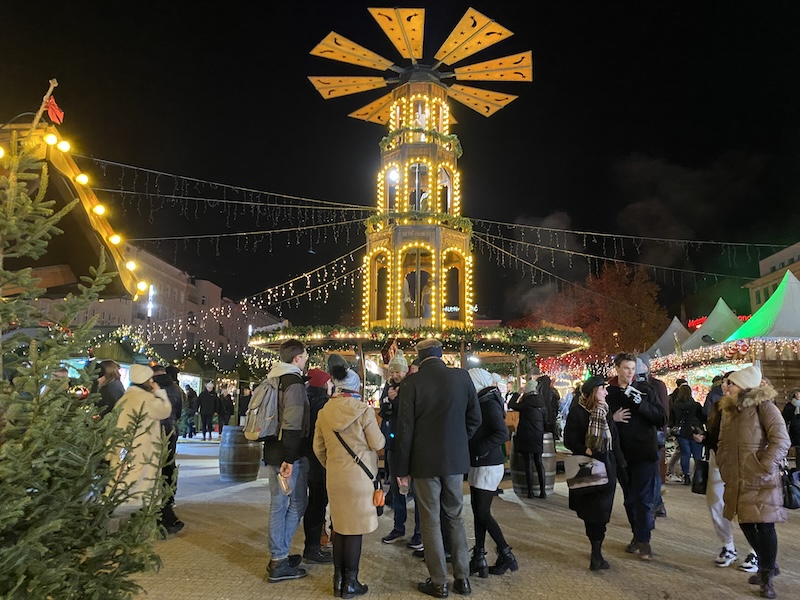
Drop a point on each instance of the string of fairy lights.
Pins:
(530, 248)
(315, 284)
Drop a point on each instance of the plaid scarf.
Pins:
(598, 434)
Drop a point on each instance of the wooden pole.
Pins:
(53, 84)
(463, 354)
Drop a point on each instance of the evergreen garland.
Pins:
(60, 537)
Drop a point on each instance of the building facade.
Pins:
(176, 308)
(771, 270)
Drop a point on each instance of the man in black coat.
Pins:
(437, 417)
(638, 412)
(169, 519)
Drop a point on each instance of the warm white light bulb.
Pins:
(50, 139)
(82, 178)
(63, 145)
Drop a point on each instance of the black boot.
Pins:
(337, 582)
(597, 561)
(687, 480)
(351, 586)
(505, 561)
(478, 564)
(767, 590)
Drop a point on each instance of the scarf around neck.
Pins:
(598, 434)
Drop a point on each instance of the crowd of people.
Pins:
(439, 425)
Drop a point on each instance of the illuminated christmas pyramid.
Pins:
(418, 266)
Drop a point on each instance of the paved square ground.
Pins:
(222, 552)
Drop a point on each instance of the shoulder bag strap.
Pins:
(355, 457)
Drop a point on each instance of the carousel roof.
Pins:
(491, 344)
(778, 317)
(721, 323)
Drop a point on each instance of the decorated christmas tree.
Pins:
(61, 536)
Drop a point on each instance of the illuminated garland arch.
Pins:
(502, 339)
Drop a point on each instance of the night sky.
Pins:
(660, 119)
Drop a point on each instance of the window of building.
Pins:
(758, 297)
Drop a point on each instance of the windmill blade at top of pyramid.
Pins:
(473, 33)
(405, 27)
(338, 47)
(485, 102)
(377, 111)
(334, 87)
(517, 67)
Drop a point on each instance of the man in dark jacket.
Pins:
(169, 520)
(643, 373)
(714, 395)
(638, 412)
(208, 402)
(192, 405)
(283, 455)
(319, 390)
(438, 415)
(226, 408)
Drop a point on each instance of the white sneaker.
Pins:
(726, 557)
(750, 564)
(672, 478)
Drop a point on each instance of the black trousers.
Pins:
(170, 473)
(530, 460)
(595, 530)
(764, 540)
(484, 521)
(347, 552)
(314, 517)
(207, 421)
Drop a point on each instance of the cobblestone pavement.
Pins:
(221, 554)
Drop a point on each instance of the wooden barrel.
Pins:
(549, 463)
(239, 458)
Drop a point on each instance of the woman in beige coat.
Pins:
(137, 466)
(752, 444)
(349, 489)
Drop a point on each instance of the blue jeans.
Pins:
(399, 507)
(658, 501)
(639, 492)
(689, 448)
(285, 512)
(437, 496)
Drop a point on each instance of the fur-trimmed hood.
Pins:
(752, 397)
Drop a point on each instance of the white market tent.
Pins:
(719, 325)
(666, 343)
(778, 318)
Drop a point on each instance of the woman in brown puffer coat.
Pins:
(752, 443)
